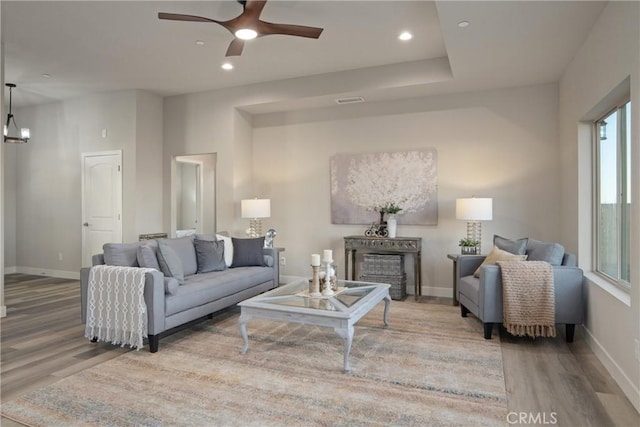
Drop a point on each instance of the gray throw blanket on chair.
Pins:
(528, 298)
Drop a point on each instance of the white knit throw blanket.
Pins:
(116, 311)
(528, 298)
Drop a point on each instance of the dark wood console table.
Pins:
(404, 245)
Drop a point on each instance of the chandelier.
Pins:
(24, 132)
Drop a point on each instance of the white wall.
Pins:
(609, 55)
(9, 176)
(501, 144)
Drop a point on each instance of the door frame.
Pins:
(82, 201)
(199, 190)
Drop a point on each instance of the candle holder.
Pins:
(315, 282)
(329, 274)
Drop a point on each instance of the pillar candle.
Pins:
(327, 255)
(315, 260)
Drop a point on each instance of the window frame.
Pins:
(622, 162)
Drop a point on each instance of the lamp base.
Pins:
(474, 232)
(255, 227)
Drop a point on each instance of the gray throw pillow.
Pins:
(248, 252)
(210, 255)
(121, 254)
(517, 247)
(553, 253)
(171, 285)
(170, 263)
(147, 257)
(183, 247)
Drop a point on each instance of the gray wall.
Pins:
(48, 174)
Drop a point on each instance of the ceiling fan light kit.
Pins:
(248, 25)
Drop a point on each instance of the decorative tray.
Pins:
(305, 294)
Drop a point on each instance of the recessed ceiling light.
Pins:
(227, 66)
(405, 36)
(246, 34)
(199, 42)
(46, 76)
(463, 24)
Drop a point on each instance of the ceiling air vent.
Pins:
(351, 100)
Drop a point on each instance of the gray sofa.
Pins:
(170, 304)
(482, 296)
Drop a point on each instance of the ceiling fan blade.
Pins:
(235, 47)
(180, 17)
(268, 28)
(253, 8)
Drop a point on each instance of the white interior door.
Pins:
(101, 202)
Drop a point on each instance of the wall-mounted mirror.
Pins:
(193, 194)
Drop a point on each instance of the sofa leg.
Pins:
(463, 311)
(488, 327)
(570, 330)
(154, 342)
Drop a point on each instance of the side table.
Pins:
(404, 245)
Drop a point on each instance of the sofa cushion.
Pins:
(121, 254)
(518, 247)
(228, 249)
(183, 246)
(170, 285)
(203, 288)
(170, 262)
(498, 254)
(248, 252)
(210, 255)
(553, 253)
(147, 256)
(469, 286)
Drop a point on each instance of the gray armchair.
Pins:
(483, 296)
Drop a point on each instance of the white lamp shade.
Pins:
(255, 208)
(474, 209)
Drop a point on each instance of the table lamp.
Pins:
(255, 209)
(474, 210)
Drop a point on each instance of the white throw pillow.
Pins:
(228, 249)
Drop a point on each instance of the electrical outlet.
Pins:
(283, 261)
(637, 349)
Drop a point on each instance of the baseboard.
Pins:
(433, 292)
(60, 274)
(625, 383)
(10, 270)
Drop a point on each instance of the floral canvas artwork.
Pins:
(361, 183)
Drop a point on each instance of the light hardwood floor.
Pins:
(547, 380)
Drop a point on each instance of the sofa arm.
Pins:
(153, 297)
(490, 294)
(569, 294)
(273, 252)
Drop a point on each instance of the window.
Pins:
(613, 195)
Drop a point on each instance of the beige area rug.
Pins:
(430, 367)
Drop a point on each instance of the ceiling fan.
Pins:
(248, 25)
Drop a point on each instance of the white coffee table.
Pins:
(340, 312)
